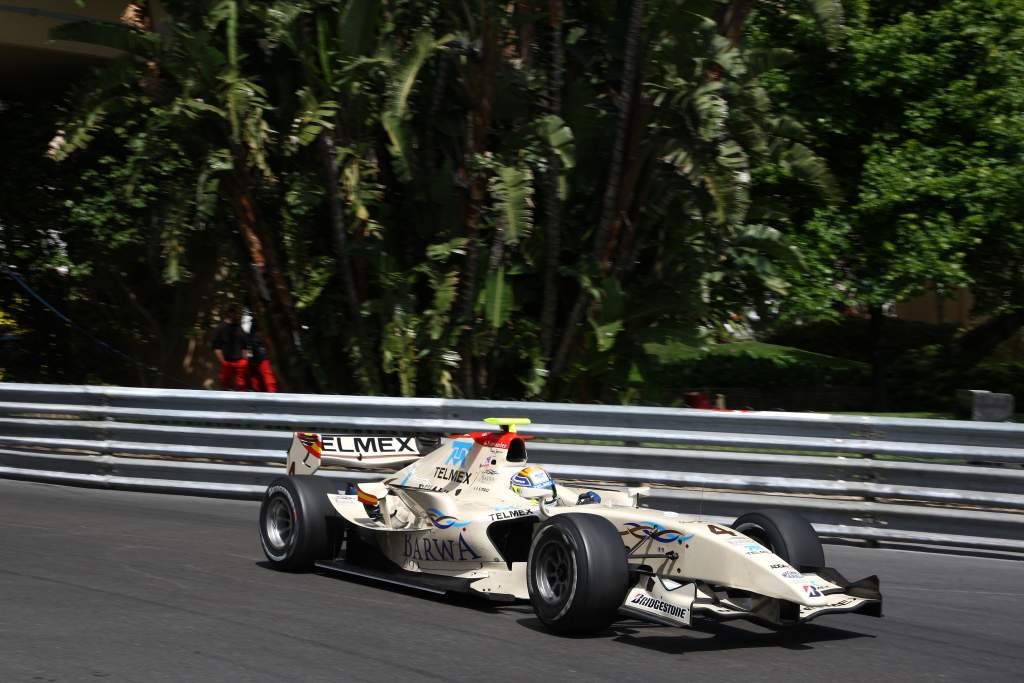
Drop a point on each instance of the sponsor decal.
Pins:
(816, 582)
(779, 566)
(358, 446)
(719, 531)
(660, 605)
(489, 475)
(439, 549)
(449, 474)
(792, 575)
(453, 467)
(459, 453)
(755, 549)
(494, 440)
(443, 521)
(812, 591)
(654, 531)
(511, 513)
(430, 487)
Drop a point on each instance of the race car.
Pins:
(473, 516)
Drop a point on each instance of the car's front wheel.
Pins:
(577, 573)
(785, 533)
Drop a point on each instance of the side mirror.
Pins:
(637, 492)
(540, 495)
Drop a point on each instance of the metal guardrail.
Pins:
(939, 482)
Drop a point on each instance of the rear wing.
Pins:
(309, 450)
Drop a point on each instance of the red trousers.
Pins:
(261, 377)
(233, 374)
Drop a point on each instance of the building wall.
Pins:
(935, 309)
(27, 23)
(30, 60)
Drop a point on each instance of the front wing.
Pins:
(675, 604)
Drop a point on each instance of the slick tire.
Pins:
(786, 534)
(298, 525)
(577, 573)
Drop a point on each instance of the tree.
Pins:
(186, 85)
(474, 199)
(915, 116)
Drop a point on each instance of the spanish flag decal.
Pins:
(312, 444)
(366, 498)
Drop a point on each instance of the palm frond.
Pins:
(829, 15)
(809, 167)
(402, 83)
(559, 137)
(312, 119)
(512, 189)
(357, 27)
(496, 298)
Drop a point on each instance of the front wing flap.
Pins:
(861, 596)
(673, 604)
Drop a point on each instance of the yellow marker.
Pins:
(507, 424)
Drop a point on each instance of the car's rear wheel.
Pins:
(785, 533)
(577, 573)
(297, 522)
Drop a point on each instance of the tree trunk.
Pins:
(363, 362)
(875, 324)
(524, 18)
(627, 187)
(732, 18)
(552, 200)
(273, 303)
(480, 78)
(630, 72)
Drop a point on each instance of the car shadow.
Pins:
(704, 636)
(472, 601)
(712, 636)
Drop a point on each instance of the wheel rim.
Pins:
(279, 523)
(554, 572)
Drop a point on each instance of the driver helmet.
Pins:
(533, 478)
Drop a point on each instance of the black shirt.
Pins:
(232, 340)
(256, 345)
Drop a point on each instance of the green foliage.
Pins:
(780, 367)
(496, 298)
(412, 170)
(848, 337)
(916, 115)
(512, 191)
(402, 81)
(672, 369)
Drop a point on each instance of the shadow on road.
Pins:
(705, 636)
(471, 601)
(713, 637)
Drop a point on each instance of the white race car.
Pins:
(472, 516)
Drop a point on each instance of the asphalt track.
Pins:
(108, 585)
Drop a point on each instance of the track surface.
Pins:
(145, 587)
